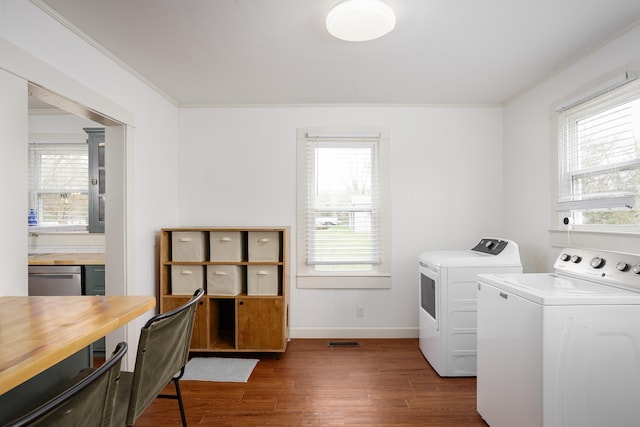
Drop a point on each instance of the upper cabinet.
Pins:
(97, 177)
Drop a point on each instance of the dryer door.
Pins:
(428, 293)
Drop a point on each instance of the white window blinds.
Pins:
(599, 156)
(342, 203)
(58, 183)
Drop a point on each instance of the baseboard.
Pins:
(353, 332)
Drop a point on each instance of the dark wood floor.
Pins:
(380, 383)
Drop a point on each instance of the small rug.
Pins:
(221, 369)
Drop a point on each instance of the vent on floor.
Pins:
(343, 344)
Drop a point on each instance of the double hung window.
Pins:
(58, 184)
(343, 209)
(599, 156)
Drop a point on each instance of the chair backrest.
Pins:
(163, 351)
(88, 402)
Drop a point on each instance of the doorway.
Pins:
(114, 239)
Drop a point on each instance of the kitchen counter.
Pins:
(67, 259)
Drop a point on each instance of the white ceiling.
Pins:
(220, 52)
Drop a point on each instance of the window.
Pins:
(58, 183)
(599, 156)
(343, 209)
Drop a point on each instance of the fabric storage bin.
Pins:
(264, 246)
(262, 280)
(185, 279)
(225, 280)
(188, 246)
(225, 246)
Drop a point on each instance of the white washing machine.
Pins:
(448, 300)
(561, 349)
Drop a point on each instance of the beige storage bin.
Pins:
(225, 246)
(225, 280)
(264, 246)
(188, 246)
(262, 280)
(185, 279)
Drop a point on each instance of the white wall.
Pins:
(56, 123)
(530, 157)
(37, 48)
(237, 167)
(13, 131)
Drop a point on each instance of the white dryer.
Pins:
(561, 349)
(448, 301)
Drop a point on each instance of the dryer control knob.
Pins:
(565, 257)
(576, 259)
(597, 262)
(636, 269)
(622, 266)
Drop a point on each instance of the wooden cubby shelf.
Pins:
(245, 308)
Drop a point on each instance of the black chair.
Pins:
(88, 402)
(163, 352)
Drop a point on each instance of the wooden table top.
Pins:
(37, 332)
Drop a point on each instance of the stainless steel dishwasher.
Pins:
(55, 280)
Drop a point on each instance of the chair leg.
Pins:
(179, 396)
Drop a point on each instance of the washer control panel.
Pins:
(616, 268)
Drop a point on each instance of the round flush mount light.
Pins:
(360, 20)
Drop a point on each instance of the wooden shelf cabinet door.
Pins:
(199, 337)
(261, 324)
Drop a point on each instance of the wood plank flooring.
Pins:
(383, 382)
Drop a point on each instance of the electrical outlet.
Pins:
(359, 311)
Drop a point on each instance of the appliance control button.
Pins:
(636, 269)
(576, 259)
(597, 262)
(565, 257)
(622, 266)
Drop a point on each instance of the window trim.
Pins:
(68, 138)
(381, 279)
(561, 210)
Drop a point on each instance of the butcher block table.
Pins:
(72, 258)
(36, 332)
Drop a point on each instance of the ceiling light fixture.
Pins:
(360, 20)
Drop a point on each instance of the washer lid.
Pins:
(553, 289)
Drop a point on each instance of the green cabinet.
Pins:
(94, 285)
(97, 179)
